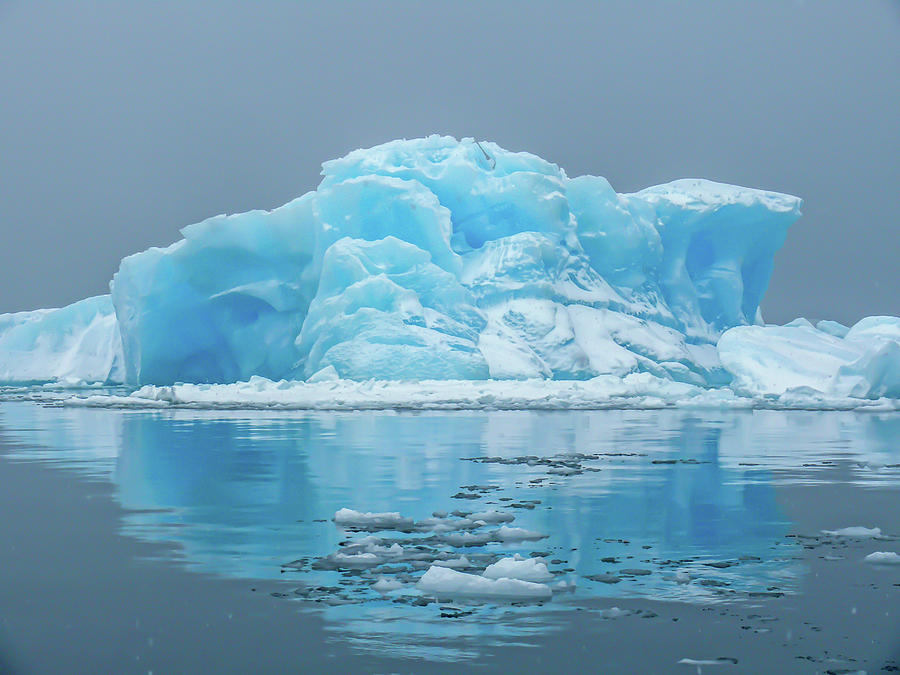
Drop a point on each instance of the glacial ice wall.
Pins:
(437, 259)
(445, 259)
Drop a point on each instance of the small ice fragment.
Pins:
(883, 558)
(614, 613)
(635, 572)
(604, 578)
(354, 559)
(563, 471)
(445, 582)
(857, 531)
(493, 517)
(524, 569)
(469, 538)
(385, 586)
(721, 661)
(682, 577)
(462, 562)
(518, 534)
(372, 521)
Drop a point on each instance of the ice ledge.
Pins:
(640, 391)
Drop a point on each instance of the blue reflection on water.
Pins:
(244, 493)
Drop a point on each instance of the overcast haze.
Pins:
(122, 122)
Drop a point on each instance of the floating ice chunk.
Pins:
(441, 523)
(492, 517)
(385, 586)
(373, 545)
(470, 538)
(883, 558)
(525, 569)
(615, 613)
(444, 582)
(682, 577)
(506, 533)
(372, 521)
(353, 560)
(460, 563)
(857, 531)
(721, 661)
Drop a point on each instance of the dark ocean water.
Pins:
(190, 541)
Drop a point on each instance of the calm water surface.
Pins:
(650, 513)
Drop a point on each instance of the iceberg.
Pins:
(74, 345)
(455, 261)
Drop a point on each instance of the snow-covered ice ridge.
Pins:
(449, 268)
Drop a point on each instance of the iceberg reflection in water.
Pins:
(662, 505)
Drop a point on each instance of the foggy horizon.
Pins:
(122, 124)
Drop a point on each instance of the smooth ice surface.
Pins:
(444, 260)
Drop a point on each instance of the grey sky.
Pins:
(122, 122)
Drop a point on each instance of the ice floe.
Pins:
(444, 582)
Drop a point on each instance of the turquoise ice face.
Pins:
(532, 262)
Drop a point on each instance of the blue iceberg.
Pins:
(444, 260)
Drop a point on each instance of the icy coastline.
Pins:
(436, 273)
